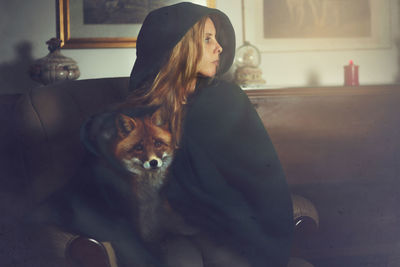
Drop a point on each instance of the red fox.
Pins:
(145, 150)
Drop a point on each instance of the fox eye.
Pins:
(158, 143)
(138, 148)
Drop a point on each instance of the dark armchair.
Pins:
(48, 120)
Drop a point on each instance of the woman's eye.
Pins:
(207, 40)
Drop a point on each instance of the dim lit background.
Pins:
(340, 146)
(25, 26)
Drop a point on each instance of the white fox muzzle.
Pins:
(153, 163)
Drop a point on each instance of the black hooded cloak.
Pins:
(226, 176)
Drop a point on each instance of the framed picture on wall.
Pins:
(105, 23)
(301, 25)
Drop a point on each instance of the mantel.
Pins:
(325, 90)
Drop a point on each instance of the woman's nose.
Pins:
(218, 48)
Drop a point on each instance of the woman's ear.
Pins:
(125, 125)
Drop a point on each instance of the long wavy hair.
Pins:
(175, 82)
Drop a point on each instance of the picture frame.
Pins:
(74, 33)
(267, 35)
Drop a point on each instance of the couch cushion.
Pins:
(48, 123)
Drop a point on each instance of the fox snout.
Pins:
(152, 164)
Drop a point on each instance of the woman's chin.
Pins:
(208, 74)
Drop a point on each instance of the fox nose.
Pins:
(153, 163)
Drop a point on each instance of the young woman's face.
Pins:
(211, 50)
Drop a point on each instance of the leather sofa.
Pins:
(48, 120)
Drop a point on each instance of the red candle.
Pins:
(351, 74)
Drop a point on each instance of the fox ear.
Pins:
(157, 118)
(98, 132)
(125, 125)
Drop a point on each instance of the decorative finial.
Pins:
(53, 44)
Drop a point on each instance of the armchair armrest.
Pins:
(306, 220)
(304, 212)
(87, 252)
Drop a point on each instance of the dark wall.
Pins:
(14, 74)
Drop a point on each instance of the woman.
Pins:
(226, 177)
(225, 181)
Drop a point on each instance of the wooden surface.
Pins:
(340, 149)
(334, 133)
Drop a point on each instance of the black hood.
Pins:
(163, 28)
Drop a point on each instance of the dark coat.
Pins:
(226, 176)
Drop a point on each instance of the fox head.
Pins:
(144, 144)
